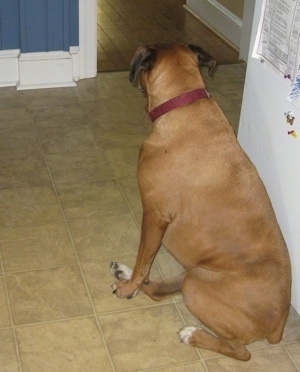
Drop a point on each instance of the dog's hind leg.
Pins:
(200, 338)
(276, 336)
(209, 295)
(164, 289)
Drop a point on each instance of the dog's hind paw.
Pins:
(186, 333)
(120, 271)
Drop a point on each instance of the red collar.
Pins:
(181, 100)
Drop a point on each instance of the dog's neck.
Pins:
(178, 101)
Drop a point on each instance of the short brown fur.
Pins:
(204, 200)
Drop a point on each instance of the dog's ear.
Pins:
(203, 58)
(143, 60)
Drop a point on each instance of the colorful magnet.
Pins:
(290, 118)
(293, 133)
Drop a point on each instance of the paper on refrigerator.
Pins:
(277, 41)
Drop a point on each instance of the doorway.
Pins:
(122, 26)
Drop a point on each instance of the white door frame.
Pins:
(87, 38)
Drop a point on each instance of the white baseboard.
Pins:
(45, 70)
(39, 70)
(9, 72)
(218, 18)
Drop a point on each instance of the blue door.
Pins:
(39, 25)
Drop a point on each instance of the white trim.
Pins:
(9, 74)
(55, 69)
(227, 12)
(220, 19)
(45, 70)
(249, 6)
(74, 52)
(87, 38)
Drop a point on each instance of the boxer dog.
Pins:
(204, 200)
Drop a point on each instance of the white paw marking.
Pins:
(186, 333)
(120, 271)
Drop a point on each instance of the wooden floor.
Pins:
(124, 25)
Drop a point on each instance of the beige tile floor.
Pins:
(68, 205)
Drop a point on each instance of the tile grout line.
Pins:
(110, 166)
(12, 324)
(289, 355)
(132, 213)
(73, 246)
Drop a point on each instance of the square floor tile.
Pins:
(119, 125)
(105, 238)
(139, 104)
(8, 357)
(292, 328)
(63, 140)
(148, 333)
(124, 161)
(28, 206)
(14, 120)
(168, 265)
(93, 90)
(66, 346)
(23, 172)
(19, 144)
(294, 350)
(89, 199)
(35, 247)
(50, 294)
(110, 139)
(10, 97)
(84, 166)
(103, 298)
(50, 97)
(131, 191)
(59, 117)
(107, 110)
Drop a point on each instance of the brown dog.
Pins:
(203, 198)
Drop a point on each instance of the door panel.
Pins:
(39, 25)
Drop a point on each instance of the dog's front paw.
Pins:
(123, 288)
(186, 335)
(120, 271)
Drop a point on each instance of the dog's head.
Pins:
(146, 58)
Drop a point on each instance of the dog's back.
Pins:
(203, 198)
(220, 214)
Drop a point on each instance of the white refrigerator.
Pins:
(272, 144)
